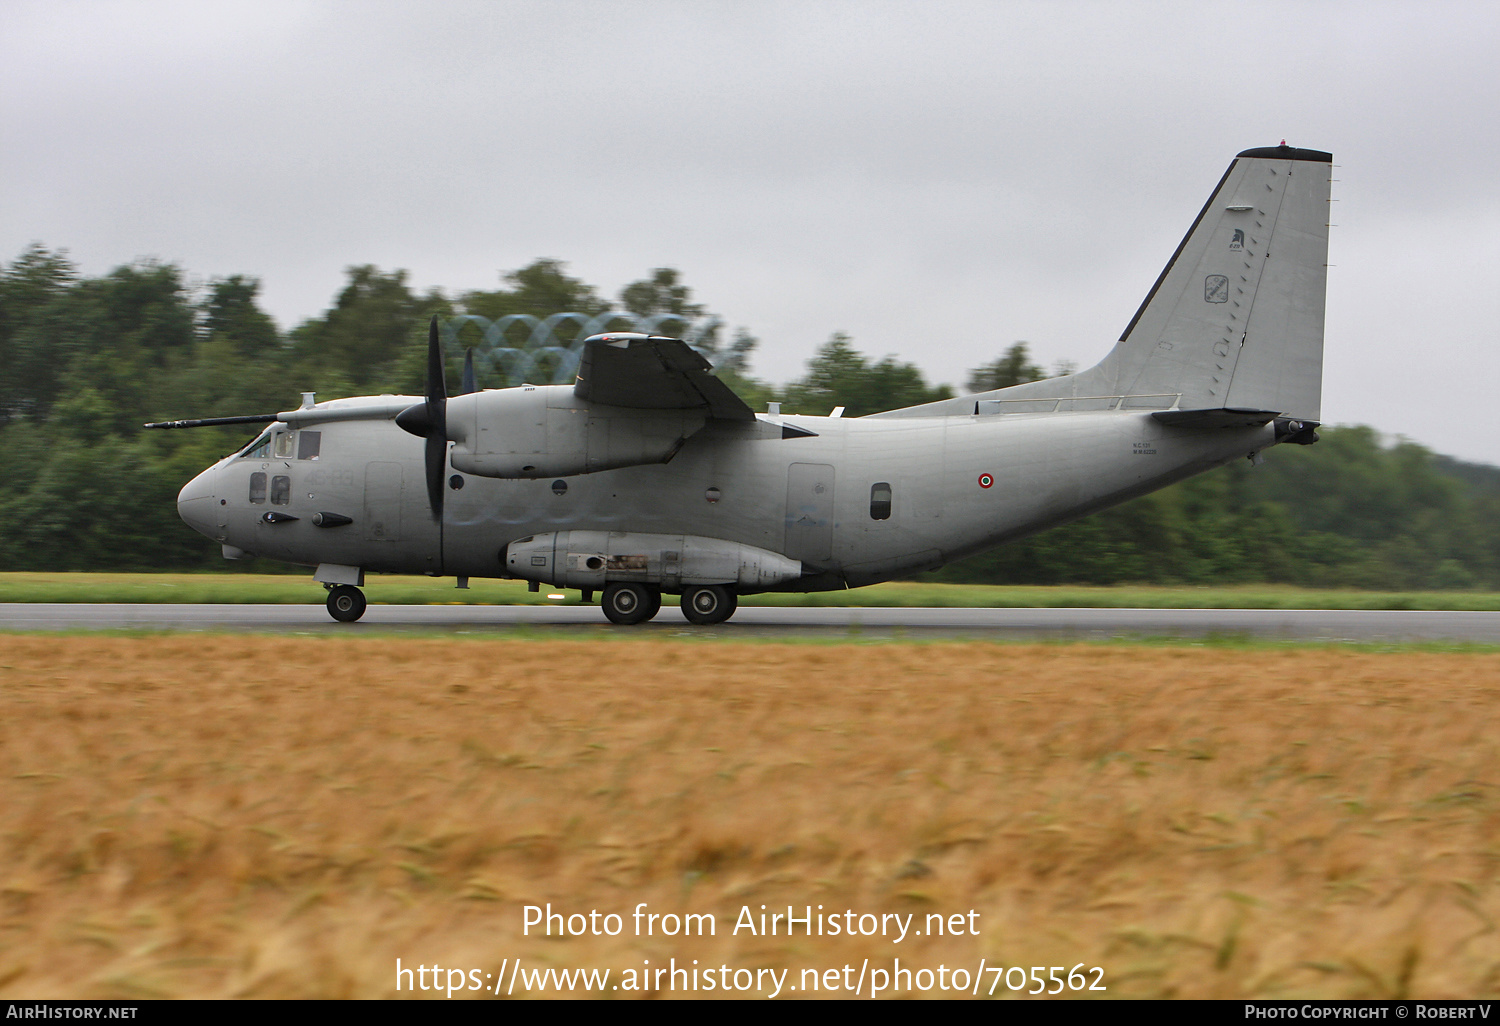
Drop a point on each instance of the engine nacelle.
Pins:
(547, 431)
(590, 559)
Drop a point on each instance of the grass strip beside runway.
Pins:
(398, 590)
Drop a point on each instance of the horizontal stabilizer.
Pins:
(647, 372)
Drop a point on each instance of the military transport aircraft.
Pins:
(648, 476)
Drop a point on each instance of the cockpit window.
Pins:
(283, 444)
(260, 449)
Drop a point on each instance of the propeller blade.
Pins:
(429, 420)
(469, 384)
(436, 455)
(437, 381)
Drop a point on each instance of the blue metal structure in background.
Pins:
(522, 349)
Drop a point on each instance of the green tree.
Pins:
(122, 336)
(32, 289)
(117, 335)
(839, 375)
(363, 344)
(732, 366)
(662, 293)
(231, 313)
(737, 357)
(238, 364)
(541, 288)
(1014, 368)
(663, 296)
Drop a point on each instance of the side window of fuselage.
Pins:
(309, 444)
(880, 501)
(257, 487)
(281, 490)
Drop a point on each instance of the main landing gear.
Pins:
(709, 604)
(627, 604)
(346, 603)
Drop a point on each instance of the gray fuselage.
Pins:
(954, 485)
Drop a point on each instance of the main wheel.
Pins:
(346, 603)
(626, 604)
(709, 603)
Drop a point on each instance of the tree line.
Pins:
(84, 361)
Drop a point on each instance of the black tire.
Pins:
(627, 604)
(346, 603)
(709, 604)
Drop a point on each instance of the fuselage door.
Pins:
(383, 501)
(809, 512)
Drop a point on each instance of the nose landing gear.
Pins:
(346, 603)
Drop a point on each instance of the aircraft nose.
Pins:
(195, 504)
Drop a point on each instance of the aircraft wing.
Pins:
(647, 372)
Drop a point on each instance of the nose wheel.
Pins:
(346, 603)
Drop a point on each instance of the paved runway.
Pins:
(753, 621)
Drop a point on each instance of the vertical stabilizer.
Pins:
(1235, 320)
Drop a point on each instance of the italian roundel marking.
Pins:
(985, 480)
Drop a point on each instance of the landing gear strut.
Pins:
(346, 603)
(626, 604)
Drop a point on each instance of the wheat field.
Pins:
(247, 816)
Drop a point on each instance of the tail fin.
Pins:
(1235, 321)
(1236, 318)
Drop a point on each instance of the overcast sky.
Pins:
(936, 179)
